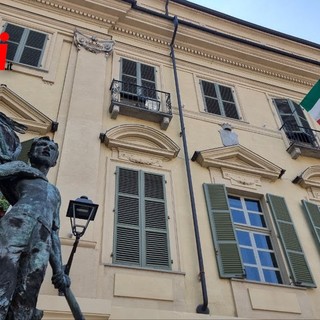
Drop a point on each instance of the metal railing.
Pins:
(301, 135)
(140, 97)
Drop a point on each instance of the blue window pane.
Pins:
(238, 216)
(272, 276)
(243, 238)
(247, 256)
(252, 273)
(257, 220)
(262, 241)
(267, 259)
(253, 205)
(234, 202)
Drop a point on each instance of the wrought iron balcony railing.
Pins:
(140, 102)
(303, 140)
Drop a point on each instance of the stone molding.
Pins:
(74, 10)
(242, 180)
(309, 177)
(92, 44)
(23, 112)
(236, 162)
(222, 59)
(195, 51)
(134, 141)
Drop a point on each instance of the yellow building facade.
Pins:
(184, 125)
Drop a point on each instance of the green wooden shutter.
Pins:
(127, 218)
(26, 145)
(313, 213)
(298, 264)
(223, 233)
(156, 230)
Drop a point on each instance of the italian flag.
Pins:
(311, 102)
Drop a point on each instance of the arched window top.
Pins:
(141, 138)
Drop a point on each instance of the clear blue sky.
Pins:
(300, 18)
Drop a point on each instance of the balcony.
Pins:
(140, 102)
(302, 141)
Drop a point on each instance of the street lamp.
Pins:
(80, 209)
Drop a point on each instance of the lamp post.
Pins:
(84, 209)
(80, 209)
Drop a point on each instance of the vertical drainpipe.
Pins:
(202, 308)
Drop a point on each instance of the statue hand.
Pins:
(61, 281)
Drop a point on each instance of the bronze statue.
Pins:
(29, 232)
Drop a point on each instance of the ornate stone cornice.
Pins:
(69, 9)
(23, 112)
(238, 159)
(135, 141)
(92, 44)
(309, 178)
(222, 59)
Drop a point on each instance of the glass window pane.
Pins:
(226, 94)
(243, 238)
(257, 220)
(248, 256)
(267, 259)
(12, 49)
(253, 205)
(147, 72)
(238, 216)
(272, 276)
(36, 39)
(252, 273)
(209, 89)
(212, 105)
(230, 110)
(30, 56)
(15, 32)
(234, 202)
(262, 241)
(129, 67)
(283, 106)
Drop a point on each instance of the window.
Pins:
(25, 46)
(219, 100)
(138, 80)
(294, 122)
(141, 231)
(254, 240)
(243, 241)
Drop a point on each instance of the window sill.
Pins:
(31, 70)
(118, 266)
(279, 285)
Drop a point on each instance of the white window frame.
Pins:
(21, 45)
(251, 230)
(219, 99)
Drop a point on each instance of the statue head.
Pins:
(43, 151)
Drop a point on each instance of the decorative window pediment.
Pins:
(309, 178)
(23, 112)
(238, 158)
(140, 139)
